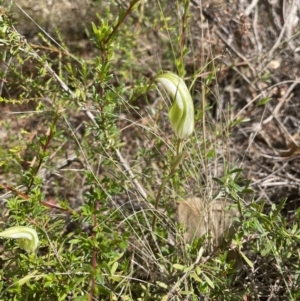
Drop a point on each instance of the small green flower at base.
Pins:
(181, 113)
(26, 236)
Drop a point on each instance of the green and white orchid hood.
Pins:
(26, 236)
(181, 113)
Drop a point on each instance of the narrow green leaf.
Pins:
(247, 259)
(263, 101)
(114, 268)
(27, 278)
(196, 277)
(178, 266)
(209, 282)
(161, 284)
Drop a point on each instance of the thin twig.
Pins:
(250, 7)
(191, 269)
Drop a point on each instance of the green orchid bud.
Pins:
(26, 236)
(181, 113)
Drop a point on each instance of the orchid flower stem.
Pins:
(179, 147)
(178, 159)
(160, 190)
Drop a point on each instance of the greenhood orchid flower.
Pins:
(27, 237)
(181, 113)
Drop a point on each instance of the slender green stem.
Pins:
(179, 147)
(121, 19)
(178, 159)
(160, 190)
